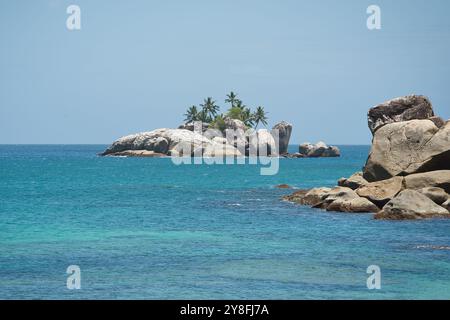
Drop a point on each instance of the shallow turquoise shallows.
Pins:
(143, 228)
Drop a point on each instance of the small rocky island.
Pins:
(205, 133)
(407, 173)
(318, 150)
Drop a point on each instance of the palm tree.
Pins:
(231, 98)
(260, 116)
(247, 117)
(209, 108)
(203, 116)
(240, 105)
(191, 114)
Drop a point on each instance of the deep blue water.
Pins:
(148, 229)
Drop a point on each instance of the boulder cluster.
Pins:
(407, 173)
(318, 150)
(200, 140)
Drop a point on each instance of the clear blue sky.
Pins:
(137, 65)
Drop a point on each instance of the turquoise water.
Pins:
(144, 228)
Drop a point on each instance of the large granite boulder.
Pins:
(313, 196)
(407, 173)
(353, 182)
(220, 150)
(234, 124)
(339, 193)
(262, 143)
(399, 109)
(357, 204)
(438, 195)
(174, 142)
(411, 204)
(161, 145)
(341, 199)
(408, 147)
(319, 149)
(380, 192)
(328, 196)
(439, 178)
(438, 121)
(284, 135)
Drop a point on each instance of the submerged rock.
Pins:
(399, 109)
(283, 186)
(138, 153)
(409, 205)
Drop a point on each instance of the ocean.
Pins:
(144, 228)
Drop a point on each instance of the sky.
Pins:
(136, 65)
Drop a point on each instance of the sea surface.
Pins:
(144, 228)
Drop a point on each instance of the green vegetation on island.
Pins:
(208, 112)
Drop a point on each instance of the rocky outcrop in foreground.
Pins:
(398, 110)
(408, 147)
(407, 173)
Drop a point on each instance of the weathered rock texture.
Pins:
(174, 142)
(380, 192)
(407, 173)
(439, 178)
(284, 135)
(320, 149)
(403, 148)
(353, 182)
(399, 109)
(438, 195)
(336, 199)
(409, 205)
